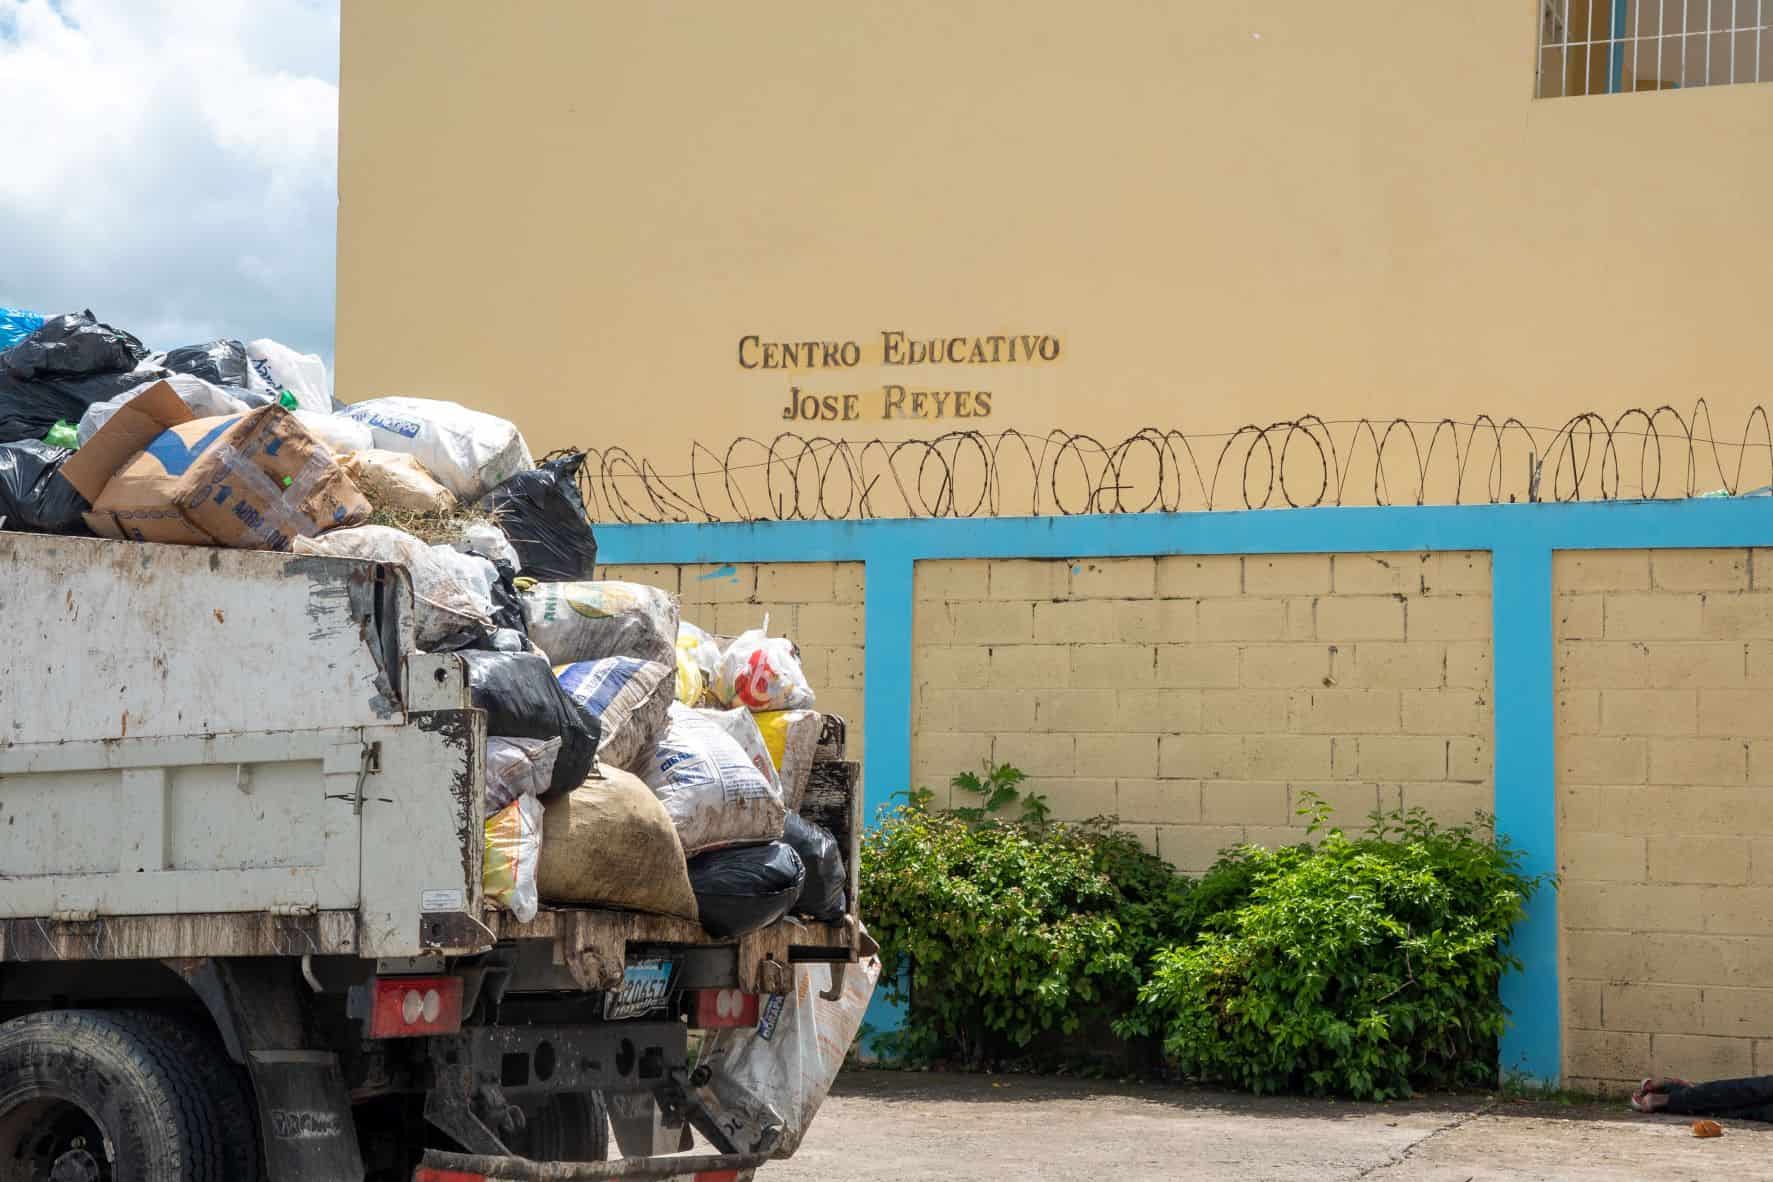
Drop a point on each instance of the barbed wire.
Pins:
(1304, 462)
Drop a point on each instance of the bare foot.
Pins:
(1652, 1094)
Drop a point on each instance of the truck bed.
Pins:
(220, 753)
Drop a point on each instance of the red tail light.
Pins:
(408, 1007)
(723, 1009)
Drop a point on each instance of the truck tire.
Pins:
(87, 1096)
(568, 1126)
(233, 1114)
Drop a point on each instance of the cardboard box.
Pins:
(254, 481)
(141, 509)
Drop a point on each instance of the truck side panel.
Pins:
(108, 641)
(161, 826)
(192, 732)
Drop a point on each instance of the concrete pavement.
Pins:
(900, 1125)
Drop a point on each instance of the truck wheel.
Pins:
(234, 1116)
(87, 1096)
(568, 1126)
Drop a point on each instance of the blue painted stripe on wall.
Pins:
(1521, 539)
(1613, 525)
(886, 679)
(886, 710)
(1525, 771)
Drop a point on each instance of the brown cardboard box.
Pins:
(264, 481)
(141, 508)
(253, 481)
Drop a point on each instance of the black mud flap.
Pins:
(305, 1115)
(639, 1129)
(305, 1120)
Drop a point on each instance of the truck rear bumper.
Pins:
(464, 1167)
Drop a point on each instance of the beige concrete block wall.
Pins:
(1665, 813)
(1197, 698)
(816, 604)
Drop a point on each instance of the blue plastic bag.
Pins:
(16, 324)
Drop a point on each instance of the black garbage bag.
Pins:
(220, 362)
(29, 408)
(34, 496)
(502, 640)
(507, 604)
(61, 369)
(825, 894)
(749, 887)
(523, 701)
(544, 516)
(71, 344)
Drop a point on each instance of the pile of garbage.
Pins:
(633, 759)
(702, 747)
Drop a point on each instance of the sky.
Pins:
(172, 165)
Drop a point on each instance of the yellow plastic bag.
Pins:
(513, 847)
(775, 725)
(690, 685)
(792, 738)
(697, 658)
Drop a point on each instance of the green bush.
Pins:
(1007, 930)
(1364, 967)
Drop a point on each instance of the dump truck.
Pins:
(242, 933)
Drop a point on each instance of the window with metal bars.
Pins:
(1620, 46)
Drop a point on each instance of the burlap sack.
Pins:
(589, 621)
(394, 480)
(610, 843)
(628, 697)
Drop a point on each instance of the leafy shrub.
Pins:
(1364, 967)
(1010, 929)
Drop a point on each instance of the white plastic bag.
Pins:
(450, 598)
(489, 542)
(394, 480)
(343, 435)
(467, 451)
(743, 730)
(709, 786)
(282, 368)
(518, 767)
(205, 399)
(471, 571)
(790, 1059)
(761, 672)
(513, 847)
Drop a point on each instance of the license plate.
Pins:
(645, 986)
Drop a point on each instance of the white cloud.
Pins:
(172, 164)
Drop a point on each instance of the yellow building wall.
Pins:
(575, 214)
(1665, 795)
(1197, 699)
